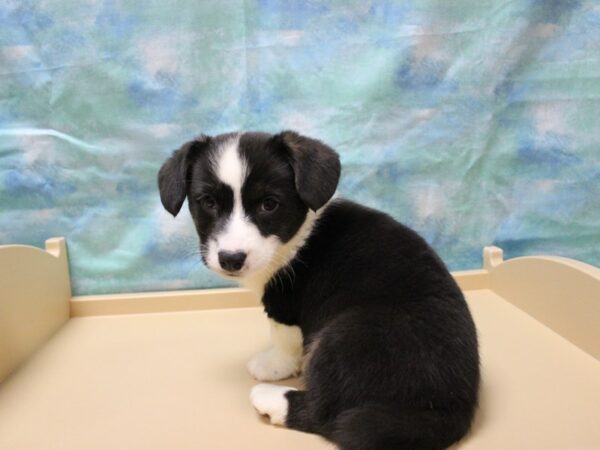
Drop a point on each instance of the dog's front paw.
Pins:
(274, 365)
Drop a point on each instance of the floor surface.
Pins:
(178, 381)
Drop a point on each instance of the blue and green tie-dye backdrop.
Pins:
(473, 121)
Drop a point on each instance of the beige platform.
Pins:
(167, 371)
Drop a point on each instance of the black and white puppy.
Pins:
(362, 303)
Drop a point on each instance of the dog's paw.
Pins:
(274, 365)
(269, 399)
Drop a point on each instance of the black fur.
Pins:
(270, 173)
(316, 167)
(393, 350)
(300, 172)
(173, 175)
(396, 363)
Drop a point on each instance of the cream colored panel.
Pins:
(34, 299)
(539, 391)
(561, 293)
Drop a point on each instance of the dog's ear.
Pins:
(172, 177)
(316, 167)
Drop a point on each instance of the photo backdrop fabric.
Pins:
(474, 122)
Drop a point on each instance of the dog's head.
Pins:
(248, 193)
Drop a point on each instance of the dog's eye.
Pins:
(208, 202)
(269, 204)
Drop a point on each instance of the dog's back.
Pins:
(394, 361)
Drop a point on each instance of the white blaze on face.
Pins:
(239, 234)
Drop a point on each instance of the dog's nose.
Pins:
(232, 261)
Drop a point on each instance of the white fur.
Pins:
(269, 399)
(240, 234)
(284, 359)
(279, 256)
(281, 361)
(231, 168)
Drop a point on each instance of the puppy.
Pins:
(389, 346)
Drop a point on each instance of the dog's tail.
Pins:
(378, 427)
